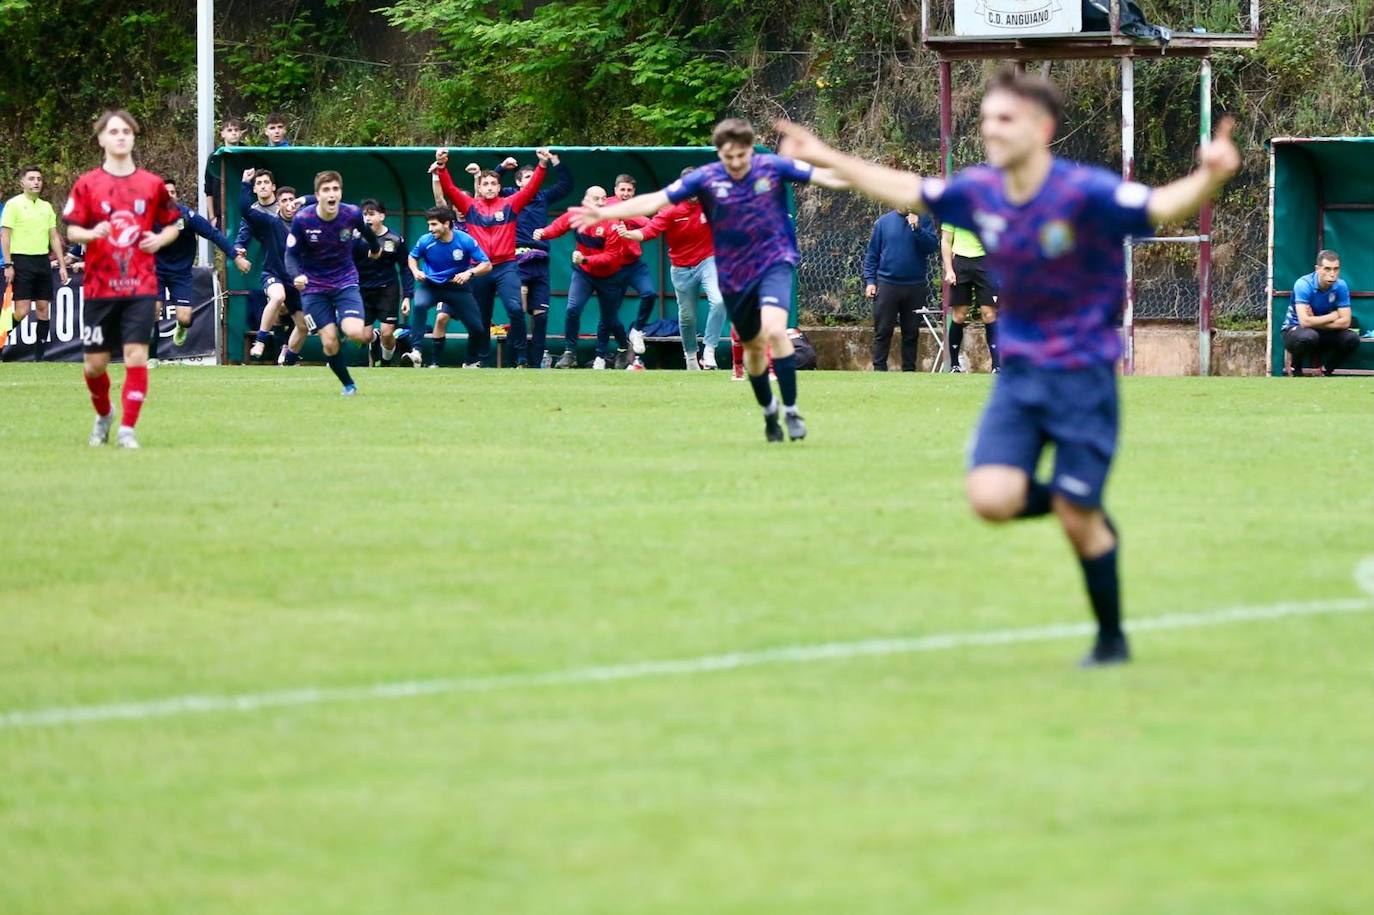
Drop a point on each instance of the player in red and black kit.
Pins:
(112, 211)
(491, 219)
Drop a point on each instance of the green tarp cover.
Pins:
(1310, 177)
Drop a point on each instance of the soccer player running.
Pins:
(491, 219)
(443, 263)
(1053, 231)
(112, 211)
(744, 196)
(601, 268)
(688, 234)
(28, 235)
(174, 262)
(266, 212)
(319, 258)
(386, 284)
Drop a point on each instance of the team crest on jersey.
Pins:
(346, 235)
(763, 185)
(1056, 238)
(600, 231)
(105, 205)
(124, 229)
(140, 207)
(1331, 296)
(389, 247)
(500, 217)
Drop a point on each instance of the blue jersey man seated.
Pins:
(1316, 329)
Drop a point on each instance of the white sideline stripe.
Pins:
(640, 670)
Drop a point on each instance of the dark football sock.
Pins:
(437, 356)
(763, 392)
(291, 357)
(956, 340)
(40, 348)
(990, 330)
(786, 370)
(1037, 500)
(1104, 591)
(339, 367)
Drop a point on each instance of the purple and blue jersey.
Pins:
(441, 261)
(322, 249)
(751, 227)
(1307, 291)
(1058, 257)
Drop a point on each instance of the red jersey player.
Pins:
(112, 210)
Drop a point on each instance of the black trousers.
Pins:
(1311, 344)
(896, 305)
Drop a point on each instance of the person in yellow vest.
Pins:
(965, 271)
(28, 234)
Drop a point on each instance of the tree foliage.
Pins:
(629, 69)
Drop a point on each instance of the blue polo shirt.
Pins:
(1321, 301)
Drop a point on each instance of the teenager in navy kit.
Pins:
(386, 284)
(443, 263)
(744, 196)
(266, 211)
(319, 257)
(174, 263)
(1053, 232)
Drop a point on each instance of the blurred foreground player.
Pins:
(1053, 232)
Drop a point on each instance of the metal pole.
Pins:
(205, 107)
(1269, 280)
(946, 168)
(1128, 174)
(1204, 260)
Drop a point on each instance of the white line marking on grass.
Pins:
(643, 670)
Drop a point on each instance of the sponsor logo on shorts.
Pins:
(1073, 485)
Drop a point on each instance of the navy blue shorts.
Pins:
(771, 290)
(1074, 409)
(293, 295)
(176, 288)
(331, 307)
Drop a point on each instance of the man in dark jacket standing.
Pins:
(895, 271)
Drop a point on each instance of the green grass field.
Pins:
(515, 530)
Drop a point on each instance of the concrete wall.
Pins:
(1160, 349)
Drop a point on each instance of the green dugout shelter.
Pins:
(1321, 195)
(398, 177)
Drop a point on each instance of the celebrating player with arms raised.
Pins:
(745, 200)
(1053, 233)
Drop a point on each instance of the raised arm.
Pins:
(898, 189)
(559, 226)
(203, 227)
(1217, 162)
(452, 192)
(643, 205)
